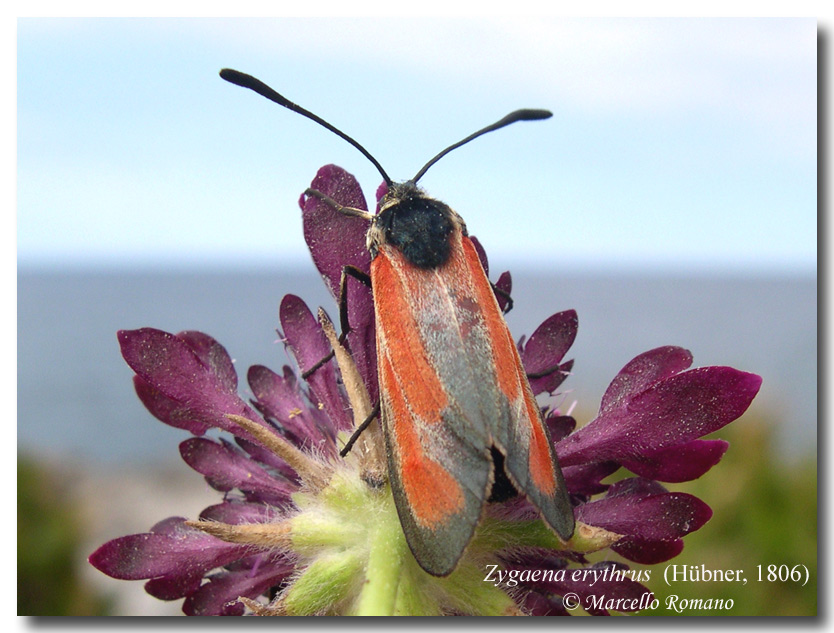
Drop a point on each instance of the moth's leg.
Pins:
(505, 295)
(365, 424)
(362, 277)
(352, 211)
(544, 372)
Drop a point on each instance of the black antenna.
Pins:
(512, 117)
(247, 81)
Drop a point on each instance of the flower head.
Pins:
(301, 530)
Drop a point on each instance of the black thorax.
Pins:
(418, 226)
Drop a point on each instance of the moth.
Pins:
(458, 415)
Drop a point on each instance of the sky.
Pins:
(676, 144)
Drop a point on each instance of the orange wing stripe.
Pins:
(541, 463)
(432, 492)
(400, 333)
(503, 346)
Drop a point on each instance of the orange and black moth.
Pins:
(460, 421)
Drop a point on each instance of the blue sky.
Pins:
(680, 144)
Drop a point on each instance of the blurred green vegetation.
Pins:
(48, 541)
(764, 513)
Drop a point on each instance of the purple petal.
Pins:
(644, 509)
(174, 587)
(643, 371)
(361, 339)
(225, 469)
(220, 595)
(553, 379)
(236, 512)
(195, 389)
(335, 241)
(167, 410)
(648, 552)
(672, 411)
(675, 464)
(544, 350)
(481, 253)
(279, 398)
(560, 426)
(505, 285)
(169, 549)
(308, 345)
(586, 479)
(213, 355)
(380, 193)
(268, 459)
(302, 332)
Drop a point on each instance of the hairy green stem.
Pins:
(378, 595)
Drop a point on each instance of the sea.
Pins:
(75, 396)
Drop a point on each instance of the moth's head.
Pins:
(417, 225)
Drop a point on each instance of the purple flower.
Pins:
(300, 530)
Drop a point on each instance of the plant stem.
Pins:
(385, 563)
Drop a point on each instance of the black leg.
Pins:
(362, 277)
(305, 375)
(365, 424)
(505, 295)
(544, 372)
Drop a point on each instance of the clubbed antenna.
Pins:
(512, 117)
(248, 81)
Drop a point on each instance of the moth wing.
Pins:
(439, 483)
(531, 463)
(452, 386)
(518, 430)
(438, 456)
